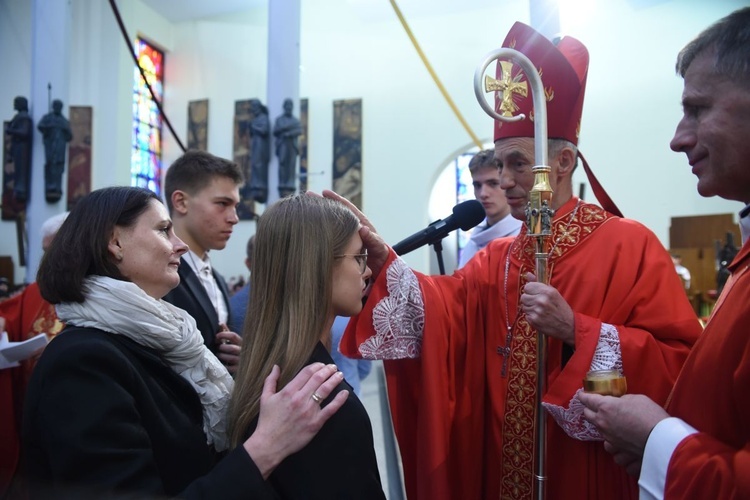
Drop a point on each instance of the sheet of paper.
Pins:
(4, 363)
(13, 352)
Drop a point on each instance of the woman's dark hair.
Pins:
(80, 247)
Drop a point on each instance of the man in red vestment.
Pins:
(699, 446)
(23, 316)
(461, 349)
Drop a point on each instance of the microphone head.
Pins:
(468, 214)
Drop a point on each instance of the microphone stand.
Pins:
(438, 246)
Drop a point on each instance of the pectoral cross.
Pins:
(505, 352)
(508, 85)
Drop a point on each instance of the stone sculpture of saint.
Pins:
(286, 130)
(55, 129)
(20, 129)
(260, 146)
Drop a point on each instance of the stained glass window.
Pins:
(145, 161)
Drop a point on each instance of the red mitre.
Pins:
(563, 68)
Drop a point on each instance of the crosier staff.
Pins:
(538, 212)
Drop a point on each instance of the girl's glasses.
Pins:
(361, 259)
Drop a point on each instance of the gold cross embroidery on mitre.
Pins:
(508, 85)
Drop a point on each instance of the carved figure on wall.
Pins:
(241, 145)
(79, 154)
(55, 129)
(286, 130)
(20, 130)
(347, 149)
(260, 148)
(198, 125)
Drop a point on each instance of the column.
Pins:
(283, 72)
(49, 65)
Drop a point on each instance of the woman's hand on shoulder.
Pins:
(291, 417)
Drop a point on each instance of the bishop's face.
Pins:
(515, 159)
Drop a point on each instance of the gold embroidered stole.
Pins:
(46, 322)
(517, 460)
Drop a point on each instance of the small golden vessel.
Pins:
(605, 382)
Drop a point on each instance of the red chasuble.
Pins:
(712, 394)
(26, 315)
(465, 424)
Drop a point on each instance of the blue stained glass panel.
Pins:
(145, 161)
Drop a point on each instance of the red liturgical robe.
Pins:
(712, 394)
(26, 315)
(464, 420)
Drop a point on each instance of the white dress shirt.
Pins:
(202, 269)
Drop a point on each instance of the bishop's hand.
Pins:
(547, 311)
(377, 250)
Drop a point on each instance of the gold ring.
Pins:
(316, 397)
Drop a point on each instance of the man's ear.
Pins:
(180, 202)
(566, 162)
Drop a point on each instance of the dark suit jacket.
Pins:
(192, 297)
(105, 417)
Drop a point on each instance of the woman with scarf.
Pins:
(127, 400)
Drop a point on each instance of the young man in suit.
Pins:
(202, 194)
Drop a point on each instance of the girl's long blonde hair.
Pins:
(290, 295)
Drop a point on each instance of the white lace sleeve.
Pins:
(398, 319)
(607, 356)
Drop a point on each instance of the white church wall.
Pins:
(633, 106)
(632, 101)
(409, 131)
(222, 59)
(358, 49)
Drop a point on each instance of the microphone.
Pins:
(465, 216)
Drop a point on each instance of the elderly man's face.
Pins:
(714, 131)
(515, 160)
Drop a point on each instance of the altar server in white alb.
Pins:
(499, 223)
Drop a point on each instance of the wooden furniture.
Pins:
(7, 268)
(694, 239)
